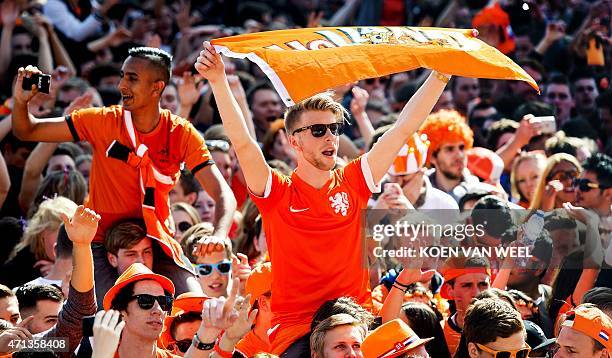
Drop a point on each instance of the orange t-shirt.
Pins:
(315, 241)
(452, 335)
(250, 345)
(114, 186)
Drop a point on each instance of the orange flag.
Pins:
(303, 62)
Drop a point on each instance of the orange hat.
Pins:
(186, 302)
(259, 281)
(495, 15)
(412, 156)
(485, 164)
(446, 126)
(391, 340)
(593, 322)
(136, 272)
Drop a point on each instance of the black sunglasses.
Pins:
(371, 81)
(146, 301)
(182, 345)
(319, 130)
(585, 185)
(183, 226)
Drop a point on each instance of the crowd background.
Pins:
(484, 151)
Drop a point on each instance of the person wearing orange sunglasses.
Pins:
(492, 328)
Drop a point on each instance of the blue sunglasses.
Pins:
(223, 267)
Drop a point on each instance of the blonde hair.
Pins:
(47, 218)
(522, 158)
(319, 102)
(187, 209)
(551, 162)
(317, 338)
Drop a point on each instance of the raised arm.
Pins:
(32, 173)
(256, 171)
(29, 128)
(381, 156)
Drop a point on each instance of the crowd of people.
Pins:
(161, 201)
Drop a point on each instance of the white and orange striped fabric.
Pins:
(303, 62)
(411, 157)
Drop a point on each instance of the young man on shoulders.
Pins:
(312, 218)
(138, 150)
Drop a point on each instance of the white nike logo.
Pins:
(297, 210)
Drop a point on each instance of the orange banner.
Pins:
(303, 62)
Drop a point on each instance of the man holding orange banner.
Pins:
(316, 212)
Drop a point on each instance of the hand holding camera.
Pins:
(30, 81)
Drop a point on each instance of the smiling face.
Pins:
(214, 284)
(319, 152)
(140, 86)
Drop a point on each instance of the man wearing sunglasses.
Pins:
(594, 191)
(144, 299)
(594, 186)
(494, 329)
(312, 219)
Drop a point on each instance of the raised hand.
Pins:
(107, 332)
(241, 269)
(19, 332)
(359, 101)
(188, 91)
(550, 194)
(208, 244)
(209, 64)
(581, 214)
(245, 320)
(82, 228)
(219, 313)
(9, 11)
(20, 95)
(82, 101)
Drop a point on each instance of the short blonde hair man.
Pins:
(338, 332)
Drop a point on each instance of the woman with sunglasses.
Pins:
(555, 185)
(214, 270)
(184, 216)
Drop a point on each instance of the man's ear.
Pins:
(263, 303)
(191, 198)
(158, 87)
(472, 350)
(294, 142)
(112, 259)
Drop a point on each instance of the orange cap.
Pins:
(136, 272)
(485, 164)
(592, 322)
(391, 340)
(186, 302)
(412, 156)
(259, 281)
